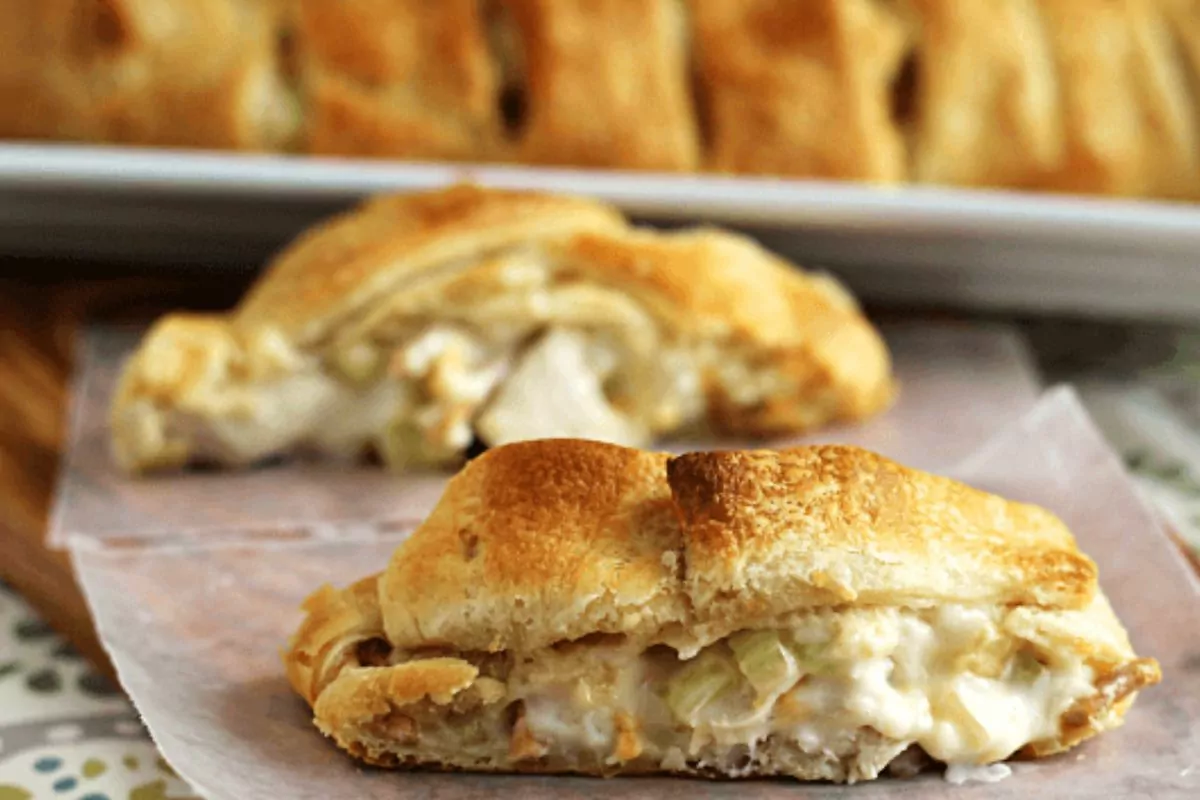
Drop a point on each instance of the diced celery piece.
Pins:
(700, 682)
(765, 662)
(358, 364)
(1025, 667)
(812, 659)
(403, 444)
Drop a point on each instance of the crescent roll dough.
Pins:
(1129, 119)
(1085, 96)
(191, 73)
(387, 78)
(819, 613)
(985, 102)
(800, 88)
(634, 112)
(415, 324)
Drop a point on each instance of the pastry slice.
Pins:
(818, 613)
(417, 324)
(1185, 16)
(1131, 125)
(601, 84)
(800, 89)
(402, 78)
(195, 73)
(1185, 24)
(984, 106)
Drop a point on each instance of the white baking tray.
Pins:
(982, 249)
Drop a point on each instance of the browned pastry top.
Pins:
(1056, 95)
(562, 591)
(547, 540)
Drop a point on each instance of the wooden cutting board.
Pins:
(42, 306)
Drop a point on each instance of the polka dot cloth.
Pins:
(112, 769)
(66, 733)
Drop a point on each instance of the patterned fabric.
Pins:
(65, 731)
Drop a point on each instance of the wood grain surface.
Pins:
(41, 308)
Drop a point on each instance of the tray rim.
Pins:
(856, 207)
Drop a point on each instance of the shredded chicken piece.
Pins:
(400, 728)
(629, 741)
(523, 745)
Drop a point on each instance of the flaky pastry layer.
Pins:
(820, 613)
(416, 325)
(1057, 95)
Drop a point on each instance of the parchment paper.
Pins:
(194, 631)
(959, 384)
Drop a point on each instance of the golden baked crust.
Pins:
(536, 542)
(800, 88)
(407, 79)
(1054, 95)
(763, 533)
(189, 73)
(1129, 120)
(1057, 95)
(174, 368)
(556, 556)
(605, 83)
(337, 621)
(1184, 16)
(774, 530)
(338, 268)
(709, 284)
(984, 99)
(1183, 23)
(414, 323)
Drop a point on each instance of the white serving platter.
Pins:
(906, 245)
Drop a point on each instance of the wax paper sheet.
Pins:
(195, 630)
(959, 383)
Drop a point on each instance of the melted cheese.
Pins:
(596, 370)
(958, 774)
(901, 673)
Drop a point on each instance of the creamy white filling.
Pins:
(556, 391)
(449, 360)
(437, 389)
(958, 774)
(962, 718)
(903, 676)
(423, 400)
